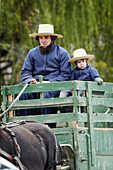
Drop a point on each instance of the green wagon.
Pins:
(86, 133)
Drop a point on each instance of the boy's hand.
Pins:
(98, 80)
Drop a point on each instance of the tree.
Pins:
(83, 24)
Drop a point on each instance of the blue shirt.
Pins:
(87, 74)
(53, 66)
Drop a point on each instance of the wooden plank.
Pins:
(32, 88)
(104, 87)
(50, 118)
(4, 103)
(103, 141)
(107, 102)
(68, 85)
(58, 86)
(64, 135)
(51, 102)
(10, 100)
(75, 103)
(101, 117)
(103, 138)
(104, 162)
(80, 85)
(67, 101)
(90, 124)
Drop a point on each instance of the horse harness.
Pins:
(14, 159)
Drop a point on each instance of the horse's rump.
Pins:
(37, 143)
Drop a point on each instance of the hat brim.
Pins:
(34, 35)
(89, 57)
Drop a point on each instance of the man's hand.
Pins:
(34, 82)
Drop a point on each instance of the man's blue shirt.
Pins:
(53, 66)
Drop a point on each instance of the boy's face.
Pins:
(81, 63)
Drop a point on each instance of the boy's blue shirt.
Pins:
(87, 74)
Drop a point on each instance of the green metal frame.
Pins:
(86, 133)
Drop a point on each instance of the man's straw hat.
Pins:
(80, 54)
(45, 29)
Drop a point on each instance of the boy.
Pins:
(83, 71)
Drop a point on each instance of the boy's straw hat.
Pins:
(80, 54)
(45, 29)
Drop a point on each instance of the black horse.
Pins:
(33, 142)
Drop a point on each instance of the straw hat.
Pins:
(45, 29)
(80, 54)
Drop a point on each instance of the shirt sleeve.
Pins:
(73, 75)
(94, 73)
(27, 69)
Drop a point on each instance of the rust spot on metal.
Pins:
(74, 124)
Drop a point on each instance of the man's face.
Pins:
(45, 41)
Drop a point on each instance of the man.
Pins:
(47, 59)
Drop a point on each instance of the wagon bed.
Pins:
(86, 133)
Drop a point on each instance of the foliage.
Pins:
(83, 24)
(104, 71)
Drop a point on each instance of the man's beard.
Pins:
(46, 50)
